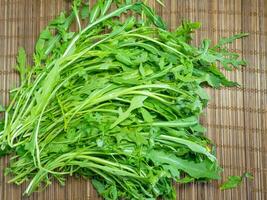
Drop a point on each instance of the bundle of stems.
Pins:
(117, 102)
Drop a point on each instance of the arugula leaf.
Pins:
(230, 39)
(136, 102)
(98, 186)
(234, 181)
(183, 32)
(21, 64)
(204, 169)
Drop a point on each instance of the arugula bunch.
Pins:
(117, 102)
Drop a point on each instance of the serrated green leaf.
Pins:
(136, 102)
(204, 169)
(230, 39)
(21, 64)
(98, 186)
(234, 181)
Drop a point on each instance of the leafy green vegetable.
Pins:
(117, 102)
(234, 181)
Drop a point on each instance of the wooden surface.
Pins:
(236, 118)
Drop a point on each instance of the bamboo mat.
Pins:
(236, 118)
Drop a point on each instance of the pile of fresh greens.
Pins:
(117, 102)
